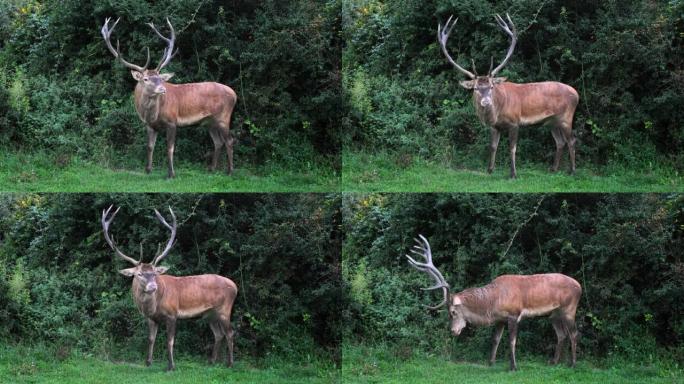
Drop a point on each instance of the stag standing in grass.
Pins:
(505, 106)
(163, 106)
(164, 299)
(507, 300)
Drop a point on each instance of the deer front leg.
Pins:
(151, 140)
(170, 147)
(513, 141)
(153, 326)
(494, 144)
(495, 342)
(170, 336)
(512, 337)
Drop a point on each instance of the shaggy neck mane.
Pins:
(479, 302)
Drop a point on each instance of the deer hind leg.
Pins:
(228, 332)
(566, 130)
(571, 329)
(561, 334)
(218, 336)
(152, 336)
(218, 144)
(560, 144)
(496, 338)
(512, 338)
(493, 145)
(151, 141)
(224, 130)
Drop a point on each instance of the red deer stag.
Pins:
(164, 299)
(505, 106)
(507, 300)
(163, 106)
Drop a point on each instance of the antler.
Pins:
(168, 51)
(443, 37)
(429, 268)
(509, 28)
(169, 244)
(105, 228)
(107, 33)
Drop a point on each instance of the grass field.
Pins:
(20, 172)
(22, 365)
(371, 365)
(363, 172)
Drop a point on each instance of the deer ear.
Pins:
(456, 301)
(498, 80)
(467, 84)
(161, 270)
(166, 76)
(137, 75)
(128, 271)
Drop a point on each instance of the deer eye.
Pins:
(146, 79)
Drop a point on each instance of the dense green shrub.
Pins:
(623, 249)
(624, 58)
(59, 281)
(282, 59)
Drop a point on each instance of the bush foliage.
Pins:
(623, 57)
(59, 280)
(623, 249)
(62, 90)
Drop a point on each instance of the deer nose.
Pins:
(485, 102)
(151, 287)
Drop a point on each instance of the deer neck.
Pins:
(148, 303)
(488, 114)
(148, 104)
(477, 306)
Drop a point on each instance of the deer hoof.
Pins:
(171, 368)
(148, 170)
(148, 363)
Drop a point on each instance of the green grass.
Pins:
(378, 365)
(23, 172)
(28, 365)
(362, 172)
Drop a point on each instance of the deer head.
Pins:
(152, 80)
(482, 85)
(143, 274)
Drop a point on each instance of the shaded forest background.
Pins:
(624, 249)
(60, 286)
(625, 58)
(62, 91)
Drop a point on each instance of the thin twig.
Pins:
(533, 214)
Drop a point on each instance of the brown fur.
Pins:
(210, 296)
(509, 298)
(182, 105)
(514, 105)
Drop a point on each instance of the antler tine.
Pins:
(107, 33)
(510, 30)
(105, 227)
(170, 41)
(428, 267)
(443, 37)
(172, 237)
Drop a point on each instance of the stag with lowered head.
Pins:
(507, 300)
(164, 299)
(163, 106)
(505, 106)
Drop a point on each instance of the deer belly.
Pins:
(537, 311)
(187, 313)
(191, 119)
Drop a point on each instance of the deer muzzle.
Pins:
(150, 287)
